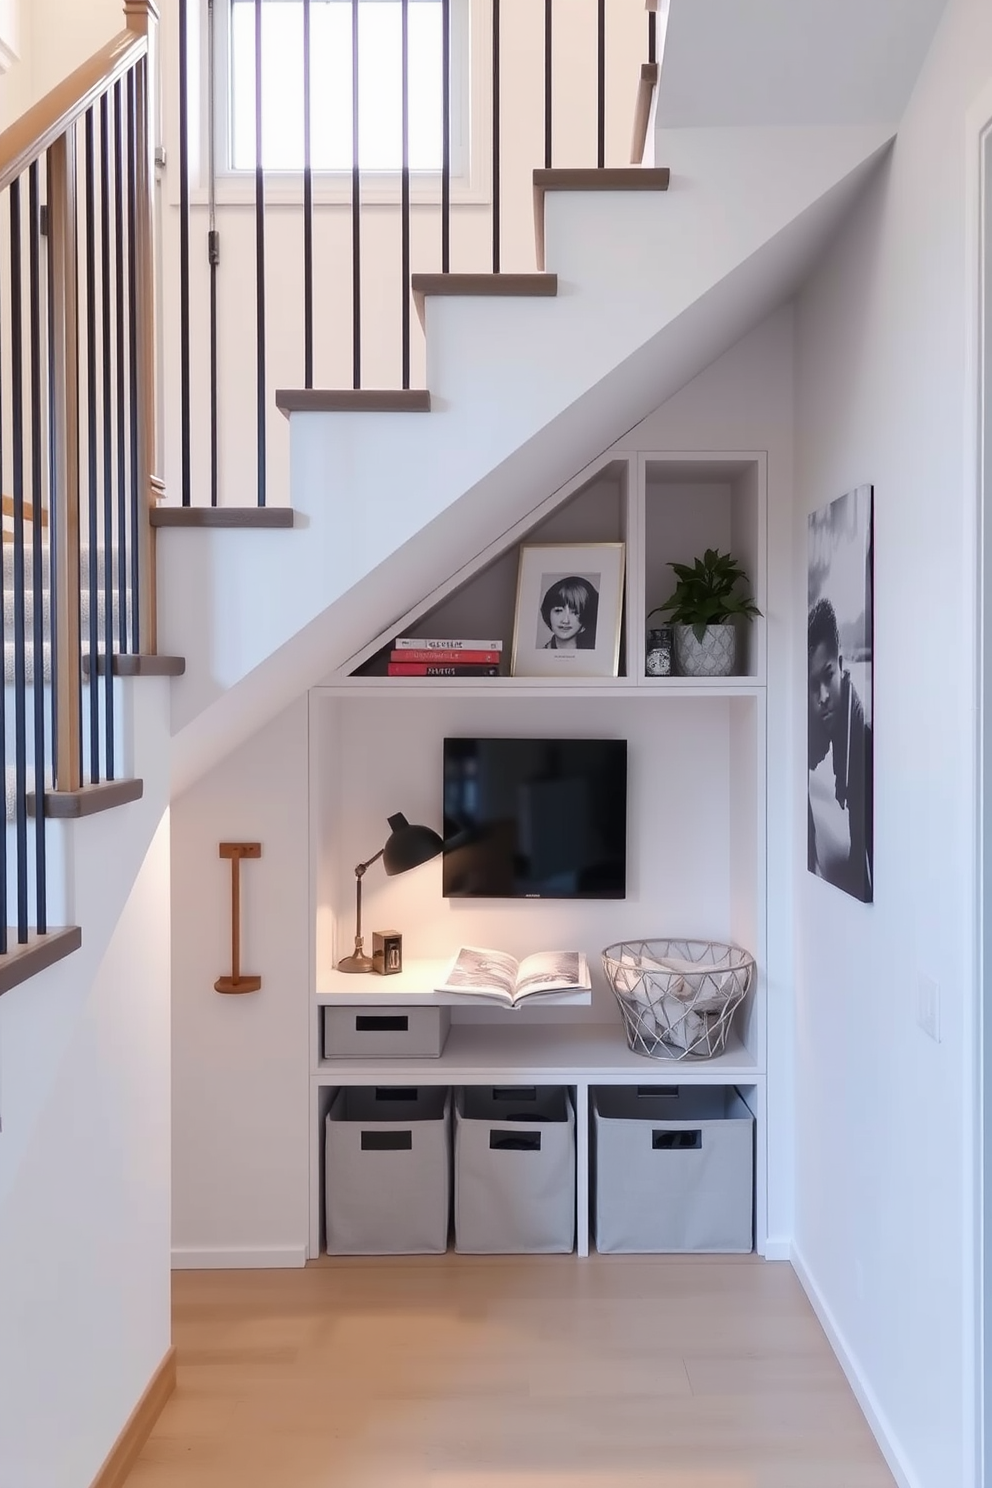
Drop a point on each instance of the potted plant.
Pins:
(702, 608)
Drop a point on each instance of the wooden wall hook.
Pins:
(236, 982)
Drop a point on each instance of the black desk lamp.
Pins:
(406, 847)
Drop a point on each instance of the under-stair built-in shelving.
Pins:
(696, 849)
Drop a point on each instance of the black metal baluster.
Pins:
(106, 396)
(92, 414)
(405, 185)
(356, 218)
(445, 136)
(259, 258)
(54, 535)
(132, 352)
(37, 572)
(307, 208)
(3, 702)
(121, 413)
(652, 36)
(17, 448)
(601, 86)
(495, 136)
(213, 251)
(184, 355)
(547, 84)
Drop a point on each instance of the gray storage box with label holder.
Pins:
(387, 1164)
(385, 1032)
(514, 1170)
(673, 1169)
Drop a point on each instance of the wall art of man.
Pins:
(839, 802)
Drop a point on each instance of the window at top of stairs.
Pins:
(331, 115)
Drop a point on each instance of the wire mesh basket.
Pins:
(677, 997)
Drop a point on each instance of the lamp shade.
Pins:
(408, 846)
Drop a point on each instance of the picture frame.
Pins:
(569, 610)
(840, 693)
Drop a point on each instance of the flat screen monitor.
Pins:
(535, 818)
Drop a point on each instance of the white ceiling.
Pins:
(781, 62)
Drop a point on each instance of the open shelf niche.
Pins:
(696, 795)
(479, 601)
(689, 505)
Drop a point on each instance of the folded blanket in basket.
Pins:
(677, 974)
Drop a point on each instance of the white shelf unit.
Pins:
(696, 806)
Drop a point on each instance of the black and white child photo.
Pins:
(569, 610)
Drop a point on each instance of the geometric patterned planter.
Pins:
(714, 656)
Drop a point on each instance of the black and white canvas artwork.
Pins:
(839, 693)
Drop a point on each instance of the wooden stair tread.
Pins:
(221, 516)
(353, 400)
(614, 178)
(482, 286)
(589, 178)
(135, 664)
(22, 962)
(89, 799)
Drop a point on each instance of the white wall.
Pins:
(50, 39)
(84, 1147)
(778, 62)
(886, 1214)
(241, 1062)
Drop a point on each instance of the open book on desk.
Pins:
(499, 977)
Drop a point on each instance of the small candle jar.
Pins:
(658, 656)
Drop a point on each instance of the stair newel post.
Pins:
(65, 554)
(142, 17)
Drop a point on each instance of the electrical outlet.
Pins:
(928, 1006)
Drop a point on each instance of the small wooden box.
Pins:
(387, 952)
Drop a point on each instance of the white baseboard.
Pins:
(865, 1396)
(777, 1250)
(238, 1258)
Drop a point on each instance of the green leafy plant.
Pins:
(706, 593)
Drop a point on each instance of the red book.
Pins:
(446, 658)
(424, 669)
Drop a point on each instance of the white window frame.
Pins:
(471, 104)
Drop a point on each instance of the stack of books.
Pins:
(411, 657)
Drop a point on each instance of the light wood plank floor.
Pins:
(515, 1372)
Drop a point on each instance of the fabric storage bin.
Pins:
(514, 1169)
(387, 1162)
(673, 1169)
(385, 1032)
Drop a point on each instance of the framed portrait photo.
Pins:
(840, 679)
(569, 608)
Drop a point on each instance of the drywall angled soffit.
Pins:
(389, 505)
(791, 62)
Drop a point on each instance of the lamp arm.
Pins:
(359, 875)
(361, 867)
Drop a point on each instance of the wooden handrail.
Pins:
(46, 121)
(9, 510)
